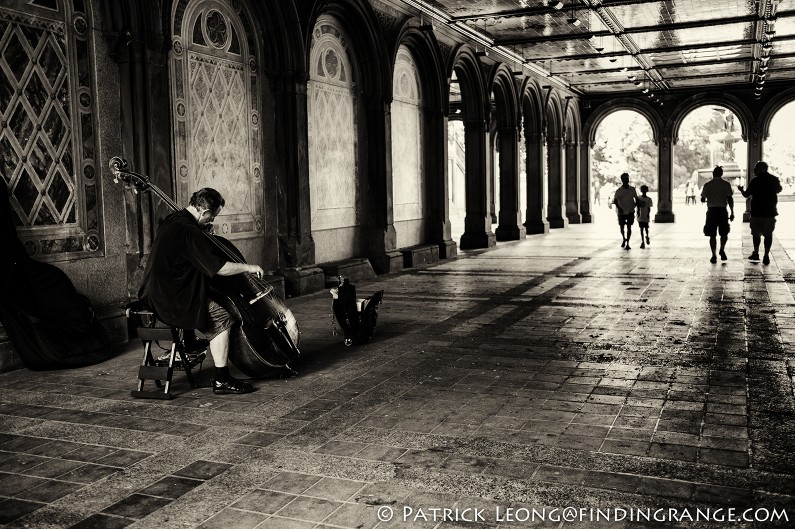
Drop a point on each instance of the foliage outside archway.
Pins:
(624, 142)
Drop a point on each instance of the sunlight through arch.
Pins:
(623, 142)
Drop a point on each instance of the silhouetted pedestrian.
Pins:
(626, 200)
(717, 193)
(763, 190)
(644, 213)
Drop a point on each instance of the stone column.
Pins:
(296, 246)
(145, 132)
(557, 172)
(665, 174)
(477, 223)
(435, 156)
(586, 200)
(381, 234)
(536, 216)
(573, 182)
(755, 141)
(510, 228)
(492, 172)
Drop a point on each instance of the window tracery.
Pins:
(47, 129)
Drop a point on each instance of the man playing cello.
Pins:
(175, 284)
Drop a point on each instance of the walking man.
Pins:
(717, 193)
(626, 200)
(763, 190)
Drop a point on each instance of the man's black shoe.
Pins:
(232, 386)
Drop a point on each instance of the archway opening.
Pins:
(456, 161)
(624, 143)
(779, 151)
(709, 135)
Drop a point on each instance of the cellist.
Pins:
(175, 284)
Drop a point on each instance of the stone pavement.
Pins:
(560, 371)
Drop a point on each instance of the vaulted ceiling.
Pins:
(607, 46)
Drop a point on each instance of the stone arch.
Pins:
(466, 65)
(556, 162)
(430, 68)
(532, 107)
(502, 84)
(506, 182)
(573, 186)
(358, 20)
(408, 175)
(335, 186)
(215, 98)
(639, 106)
(425, 50)
(725, 100)
(770, 110)
(477, 221)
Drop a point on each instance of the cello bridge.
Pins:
(265, 293)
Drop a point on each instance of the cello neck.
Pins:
(120, 171)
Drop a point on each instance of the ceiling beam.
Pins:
(652, 51)
(640, 29)
(691, 24)
(540, 10)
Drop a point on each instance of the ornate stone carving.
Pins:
(216, 111)
(385, 20)
(48, 138)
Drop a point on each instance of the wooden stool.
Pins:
(161, 370)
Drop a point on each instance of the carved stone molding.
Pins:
(386, 21)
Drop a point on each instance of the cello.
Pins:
(265, 340)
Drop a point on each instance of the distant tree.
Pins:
(624, 143)
(778, 149)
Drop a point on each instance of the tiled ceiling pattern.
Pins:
(663, 44)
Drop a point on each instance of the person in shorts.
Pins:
(175, 284)
(763, 190)
(625, 200)
(645, 204)
(717, 193)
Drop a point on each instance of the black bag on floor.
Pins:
(51, 325)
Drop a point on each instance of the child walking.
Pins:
(644, 211)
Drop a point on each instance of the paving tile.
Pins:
(202, 470)
(123, 458)
(274, 522)
(234, 518)
(292, 482)
(171, 487)
(341, 448)
(352, 516)
(136, 506)
(259, 438)
(11, 509)
(89, 453)
(87, 473)
(53, 468)
(24, 444)
(334, 489)
(263, 501)
(557, 474)
(103, 521)
(13, 484)
(308, 509)
(49, 491)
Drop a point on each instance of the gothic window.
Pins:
(217, 135)
(47, 128)
(332, 130)
(406, 139)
